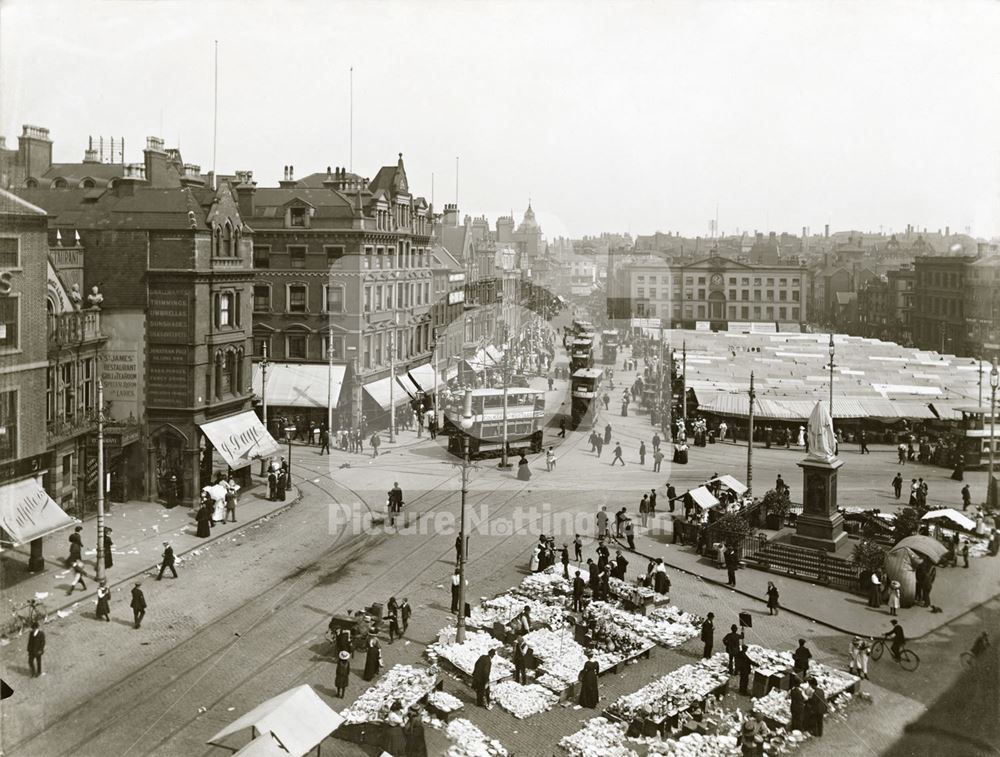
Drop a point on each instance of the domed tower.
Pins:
(529, 235)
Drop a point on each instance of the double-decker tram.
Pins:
(525, 417)
(609, 346)
(584, 386)
(581, 354)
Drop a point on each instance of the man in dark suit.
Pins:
(138, 604)
(744, 664)
(481, 679)
(708, 635)
(36, 648)
(578, 585)
(168, 561)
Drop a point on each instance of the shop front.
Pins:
(297, 394)
(238, 440)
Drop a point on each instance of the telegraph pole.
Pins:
(684, 385)
(100, 480)
(753, 397)
(504, 462)
(392, 382)
(329, 387)
(466, 424)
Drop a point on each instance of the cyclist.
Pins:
(898, 639)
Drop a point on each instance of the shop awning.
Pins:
(408, 384)
(732, 484)
(298, 719)
(703, 498)
(300, 384)
(423, 376)
(479, 361)
(241, 438)
(27, 512)
(380, 391)
(495, 354)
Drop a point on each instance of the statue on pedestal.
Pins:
(822, 440)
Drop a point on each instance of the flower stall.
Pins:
(462, 657)
(364, 720)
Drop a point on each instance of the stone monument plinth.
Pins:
(820, 526)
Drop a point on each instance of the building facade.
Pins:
(27, 511)
(345, 265)
(940, 298)
(983, 307)
(717, 290)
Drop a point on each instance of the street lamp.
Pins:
(831, 376)
(288, 473)
(264, 365)
(994, 382)
(466, 424)
(100, 480)
(753, 396)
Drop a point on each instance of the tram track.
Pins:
(352, 549)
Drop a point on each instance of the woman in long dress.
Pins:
(588, 681)
(416, 742)
(523, 471)
(373, 659)
(104, 602)
(109, 559)
(204, 520)
(343, 674)
(533, 564)
(218, 506)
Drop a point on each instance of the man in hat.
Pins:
(138, 604)
(168, 561)
(481, 679)
(343, 673)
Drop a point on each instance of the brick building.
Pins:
(27, 512)
(344, 263)
(940, 298)
(983, 307)
(173, 267)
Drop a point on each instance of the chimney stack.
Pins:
(245, 190)
(135, 174)
(330, 182)
(947, 231)
(155, 161)
(826, 231)
(288, 182)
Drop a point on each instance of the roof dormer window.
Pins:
(297, 217)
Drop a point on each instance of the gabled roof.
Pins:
(716, 261)
(11, 204)
(391, 179)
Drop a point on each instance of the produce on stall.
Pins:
(521, 700)
(463, 656)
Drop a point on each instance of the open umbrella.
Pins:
(924, 545)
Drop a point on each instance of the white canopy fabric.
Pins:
(265, 745)
(479, 361)
(703, 498)
(298, 719)
(240, 438)
(423, 376)
(962, 521)
(27, 512)
(731, 483)
(495, 354)
(380, 391)
(300, 384)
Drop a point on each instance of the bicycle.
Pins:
(968, 659)
(908, 660)
(27, 613)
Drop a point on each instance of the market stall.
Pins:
(364, 722)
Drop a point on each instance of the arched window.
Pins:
(227, 238)
(88, 183)
(238, 379)
(31, 183)
(59, 183)
(219, 373)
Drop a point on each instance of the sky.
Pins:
(624, 116)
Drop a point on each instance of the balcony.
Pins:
(74, 329)
(58, 431)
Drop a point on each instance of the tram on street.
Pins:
(971, 436)
(584, 387)
(525, 417)
(609, 346)
(581, 354)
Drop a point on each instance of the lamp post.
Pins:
(505, 371)
(994, 382)
(831, 376)
(288, 474)
(753, 397)
(980, 382)
(466, 424)
(100, 480)
(264, 364)
(329, 386)
(392, 382)
(684, 387)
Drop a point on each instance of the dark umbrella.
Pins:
(925, 545)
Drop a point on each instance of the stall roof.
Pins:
(298, 719)
(265, 745)
(732, 484)
(948, 513)
(703, 497)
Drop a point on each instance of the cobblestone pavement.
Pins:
(245, 620)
